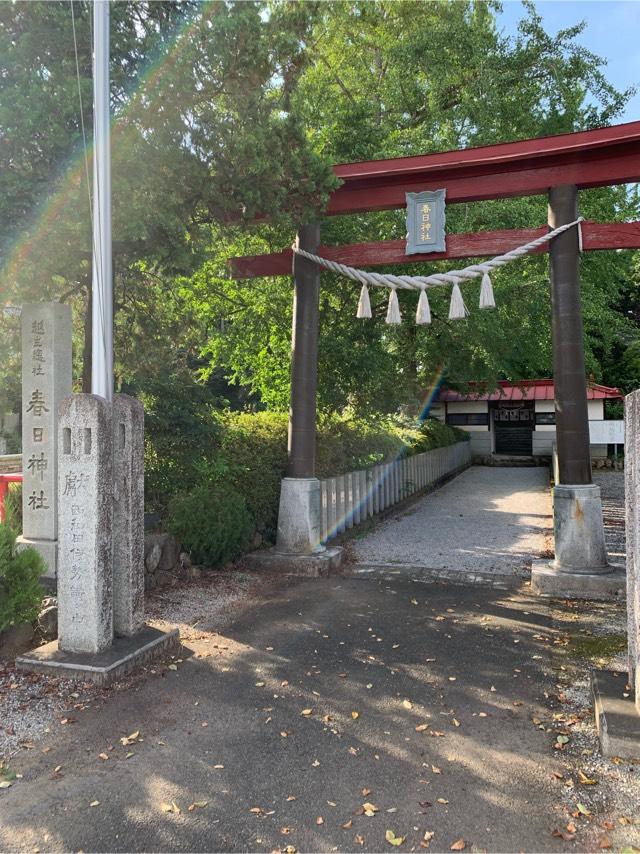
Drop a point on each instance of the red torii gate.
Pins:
(557, 165)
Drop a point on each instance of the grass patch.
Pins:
(598, 646)
(6, 773)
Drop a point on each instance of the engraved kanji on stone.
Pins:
(37, 370)
(37, 403)
(38, 465)
(38, 501)
(74, 483)
(37, 327)
(38, 434)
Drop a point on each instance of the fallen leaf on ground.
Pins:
(319, 820)
(359, 839)
(458, 845)
(407, 704)
(315, 763)
(94, 804)
(369, 809)
(562, 834)
(355, 715)
(605, 842)
(306, 712)
(426, 839)
(103, 756)
(5, 784)
(422, 727)
(443, 801)
(197, 805)
(365, 792)
(392, 839)
(436, 770)
(586, 781)
(348, 824)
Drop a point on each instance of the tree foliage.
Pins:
(227, 117)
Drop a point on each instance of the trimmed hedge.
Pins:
(212, 522)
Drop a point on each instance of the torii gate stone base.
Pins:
(101, 629)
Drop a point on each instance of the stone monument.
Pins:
(616, 700)
(632, 499)
(128, 515)
(101, 629)
(46, 380)
(85, 567)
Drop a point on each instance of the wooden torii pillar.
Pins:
(581, 567)
(558, 165)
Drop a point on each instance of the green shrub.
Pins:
(20, 591)
(435, 434)
(254, 447)
(212, 522)
(13, 506)
(181, 436)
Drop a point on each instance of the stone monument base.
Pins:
(617, 717)
(123, 656)
(316, 565)
(547, 579)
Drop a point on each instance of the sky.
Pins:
(612, 32)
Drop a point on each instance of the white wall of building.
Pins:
(544, 435)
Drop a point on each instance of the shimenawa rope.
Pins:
(457, 308)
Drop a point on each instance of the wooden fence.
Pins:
(350, 499)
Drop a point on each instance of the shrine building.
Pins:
(518, 418)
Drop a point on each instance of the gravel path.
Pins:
(488, 520)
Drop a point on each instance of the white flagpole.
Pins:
(102, 282)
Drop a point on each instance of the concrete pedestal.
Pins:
(581, 569)
(299, 550)
(299, 517)
(617, 716)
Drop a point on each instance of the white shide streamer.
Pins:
(457, 308)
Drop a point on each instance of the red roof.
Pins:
(525, 390)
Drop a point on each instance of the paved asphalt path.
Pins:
(488, 520)
(399, 654)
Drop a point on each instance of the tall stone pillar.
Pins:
(581, 568)
(128, 515)
(632, 500)
(46, 381)
(85, 493)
